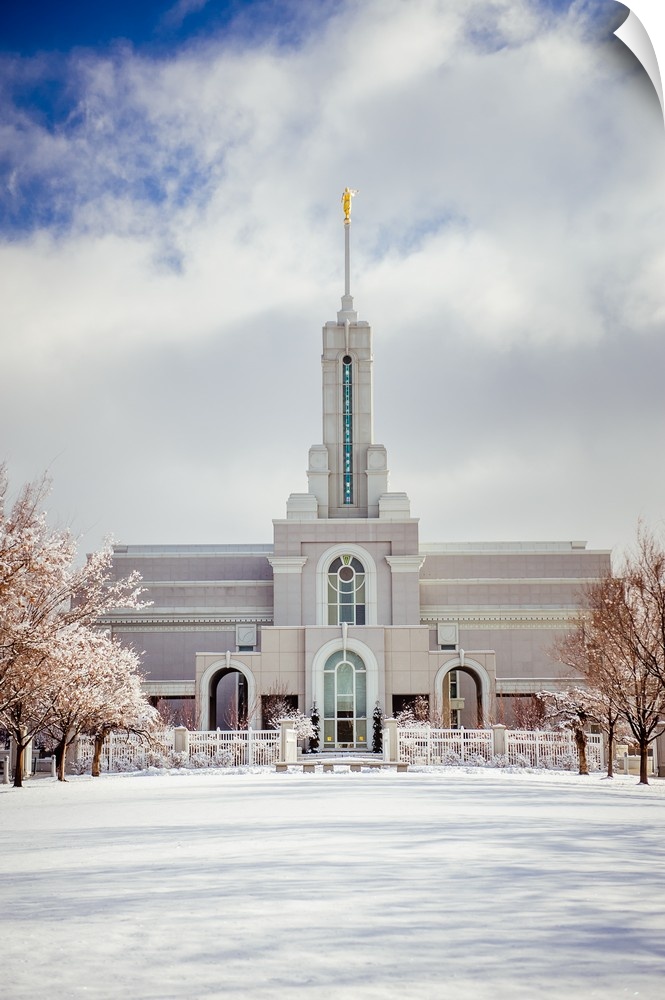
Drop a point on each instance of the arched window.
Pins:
(344, 700)
(346, 591)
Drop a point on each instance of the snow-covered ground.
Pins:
(445, 883)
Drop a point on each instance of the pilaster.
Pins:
(287, 576)
(406, 588)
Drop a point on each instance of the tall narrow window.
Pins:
(346, 591)
(345, 700)
(347, 429)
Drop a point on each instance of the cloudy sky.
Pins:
(172, 243)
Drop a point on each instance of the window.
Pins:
(346, 591)
(347, 427)
(345, 700)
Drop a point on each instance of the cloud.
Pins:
(174, 244)
(176, 15)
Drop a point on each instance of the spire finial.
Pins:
(347, 195)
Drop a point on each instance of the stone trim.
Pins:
(505, 580)
(530, 685)
(405, 564)
(156, 584)
(173, 689)
(194, 621)
(287, 564)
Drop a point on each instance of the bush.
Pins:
(522, 760)
(200, 760)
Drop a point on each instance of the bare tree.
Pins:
(618, 647)
(528, 711)
(643, 603)
(183, 713)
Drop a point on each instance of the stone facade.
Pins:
(345, 608)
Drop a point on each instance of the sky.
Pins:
(171, 243)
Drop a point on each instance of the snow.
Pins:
(443, 883)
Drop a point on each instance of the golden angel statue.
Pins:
(347, 195)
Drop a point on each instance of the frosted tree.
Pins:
(569, 710)
(316, 726)
(97, 676)
(415, 714)
(44, 600)
(119, 703)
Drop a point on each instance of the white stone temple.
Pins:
(346, 609)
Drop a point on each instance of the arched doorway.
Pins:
(344, 701)
(453, 695)
(228, 700)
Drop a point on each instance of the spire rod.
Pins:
(347, 311)
(347, 257)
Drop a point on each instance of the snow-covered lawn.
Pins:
(447, 883)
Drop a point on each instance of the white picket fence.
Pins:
(445, 746)
(555, 750)
(537, 748)
(205, 749)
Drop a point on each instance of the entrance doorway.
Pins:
(344, 702)
(462, 699)
(228, 700)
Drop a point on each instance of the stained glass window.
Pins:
(346, 591)
(347, 429)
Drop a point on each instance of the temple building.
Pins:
(346, 609)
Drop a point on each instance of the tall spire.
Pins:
(347, 312)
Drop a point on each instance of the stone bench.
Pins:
(309, 766)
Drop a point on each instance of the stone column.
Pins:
(659, 751)
(499, 739)
(27, 758)
(181, 740)
(288, 741)
(390, 740)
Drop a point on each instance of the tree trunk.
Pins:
(18, 770)
(96, 757)
(644, 747)
(580, 743)
(610, 751)
(60, 753)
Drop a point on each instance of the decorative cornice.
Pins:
(527, 685)
(501, 618)
(178, 689)
(198, 584)
(287, 564)
(506, 581)
(168, 621)
(405, 564)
